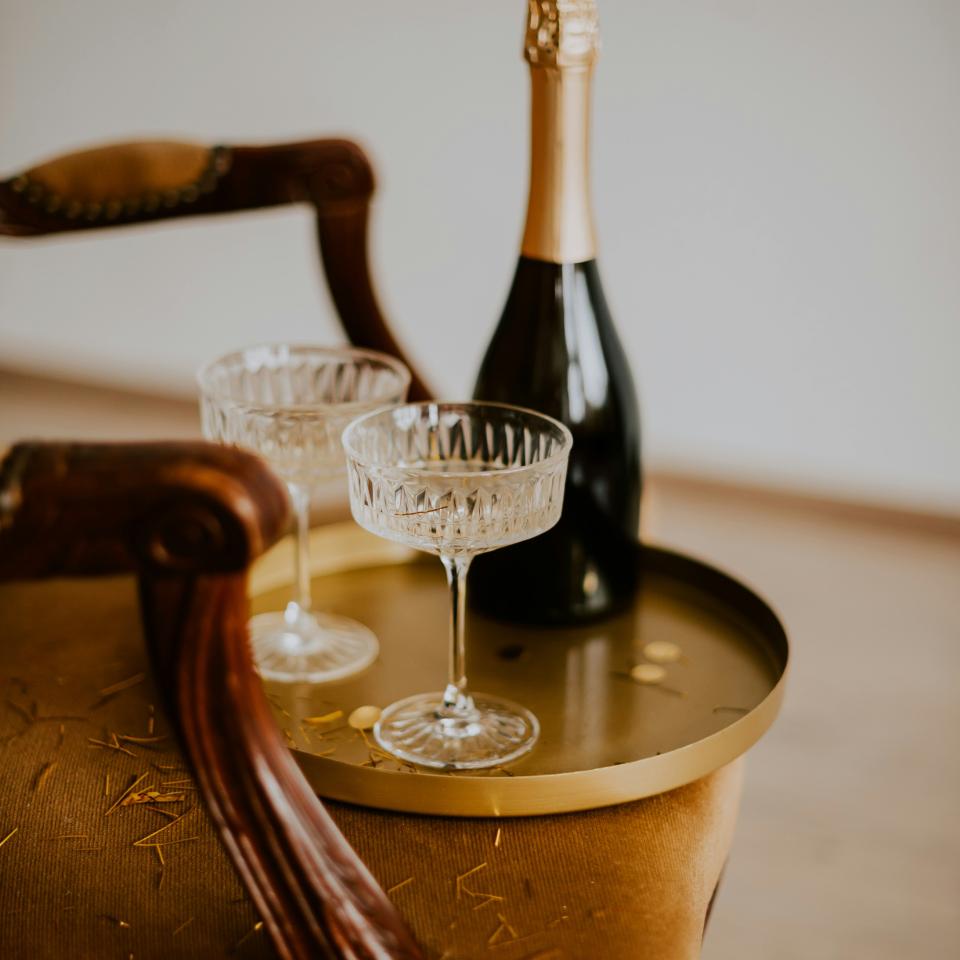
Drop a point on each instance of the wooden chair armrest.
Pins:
(188, 518)
(132, 183)
(139, 182)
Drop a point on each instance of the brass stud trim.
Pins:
(113, 208)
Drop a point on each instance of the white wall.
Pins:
(777, 189)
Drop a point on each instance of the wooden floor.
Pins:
(849, 839)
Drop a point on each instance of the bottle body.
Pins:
(556, 350)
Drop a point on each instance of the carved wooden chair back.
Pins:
(135, 183)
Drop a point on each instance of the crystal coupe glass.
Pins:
(290, 403)
(456, 480)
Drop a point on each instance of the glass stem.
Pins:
(455, 696)
(301, 602)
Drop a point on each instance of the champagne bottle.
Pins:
(556, 350)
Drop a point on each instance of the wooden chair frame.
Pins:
(188, 518)
(137, 183)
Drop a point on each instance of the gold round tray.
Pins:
(605, 737)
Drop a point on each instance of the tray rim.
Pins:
(547, 793)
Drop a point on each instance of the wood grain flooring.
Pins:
(848, 844)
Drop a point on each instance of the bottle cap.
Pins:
(562, 33)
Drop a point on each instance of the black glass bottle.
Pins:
(555, 349)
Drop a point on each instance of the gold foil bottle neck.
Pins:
(562, 33)
(561, 45)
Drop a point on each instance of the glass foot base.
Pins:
(310, 648)
(488, 733)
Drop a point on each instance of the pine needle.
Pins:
(257, 927)
(43, 775)
(111, 746)
(326, 718)
(399, 886)
(123, 795)
(496, 938)
(464, 876)
(143, 841)
(24, 715)
(123, 685)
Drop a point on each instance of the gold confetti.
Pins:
(363, 718)
(8, 836)
(662, 651)
(648, 673)
(496, 842)
(183, 926)
(399, 886)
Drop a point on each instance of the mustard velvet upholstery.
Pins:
(626, 882)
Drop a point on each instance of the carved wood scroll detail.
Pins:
(188, 518)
